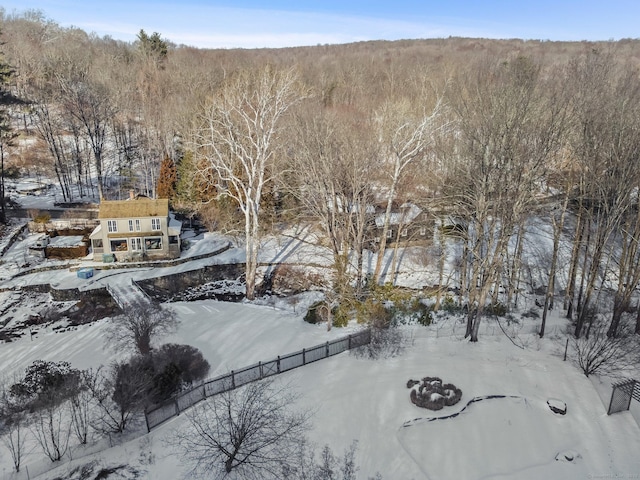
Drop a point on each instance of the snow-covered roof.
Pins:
(134, 208)
(407, 214)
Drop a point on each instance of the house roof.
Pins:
(407, 214)
(134, 208)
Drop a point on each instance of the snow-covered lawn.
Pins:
(367, 400)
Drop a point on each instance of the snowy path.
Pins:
(127, 293)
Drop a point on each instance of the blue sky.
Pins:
(282, 23)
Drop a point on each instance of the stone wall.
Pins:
(167, 286)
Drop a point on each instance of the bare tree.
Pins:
(140, 324)
(251, 432)
(89, 104)
(120, 394)
(239, 139)
(333, 164)
(44, 391)
(13, 428)
(81, 404)
(406, 136)
(508, 128)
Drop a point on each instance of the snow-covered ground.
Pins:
(515, 436)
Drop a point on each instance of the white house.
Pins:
(139, 228)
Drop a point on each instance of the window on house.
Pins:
(423, 231)
(97, 243)
(389, 233)
(119, 245)
(136, 243)
(155, 224)
(131, 225)
(403, 232)
(137, 224)
(173, 239)
(153, 243)
(112, 226)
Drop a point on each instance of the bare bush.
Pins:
(598, 354)
(326, 465)
(385, 343)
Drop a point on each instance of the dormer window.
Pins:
(155, 224)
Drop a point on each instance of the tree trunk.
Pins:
(382, 246)
(573, 265)
(551, 283)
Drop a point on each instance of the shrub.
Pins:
(531, 313)
(423, 313)
(385, 343)
(374, 313)
(498, 309)
(290, 280)
(340, 316)
(12, 171)
(449, 305)
(154, 378)
(432, 394)
(316, 313)
(188, 360)
(41, 217)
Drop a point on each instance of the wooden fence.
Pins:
(258, 371)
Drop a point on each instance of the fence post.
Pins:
(278, 364)
(613, 392)
(349, 343)
(304, 357)
(327, 349)
(260, 367)
(233, 381)
(146, 420)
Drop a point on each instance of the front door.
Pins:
(136, 244)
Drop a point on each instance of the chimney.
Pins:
(132, 195)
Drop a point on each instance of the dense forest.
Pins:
(483, 135)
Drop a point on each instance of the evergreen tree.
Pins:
(152, 47)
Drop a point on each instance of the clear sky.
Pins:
(284, 23)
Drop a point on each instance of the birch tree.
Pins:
(507, 130)
(240, 135)
(607, 147)
(406, 136)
